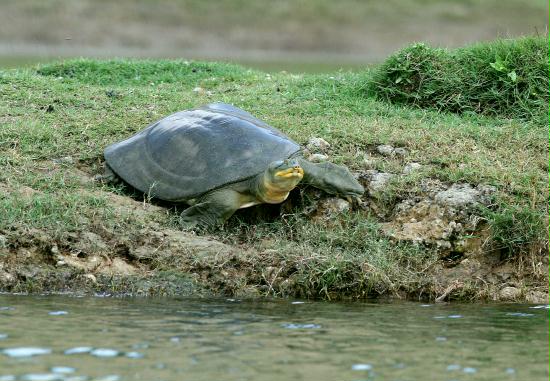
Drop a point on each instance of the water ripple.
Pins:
(300, 326)
(361, 367)
(104, 352)
(78, 350)
(42, 377)
(58, 313)
(26, 351)
(63, 369)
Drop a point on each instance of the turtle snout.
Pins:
(289, 168)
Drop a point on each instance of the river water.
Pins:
(105, 338)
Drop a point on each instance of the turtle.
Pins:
(217, 159)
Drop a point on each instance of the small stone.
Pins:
(6, 278)
(385, 150)
(509, 293)
(3, 242)
(333, 206)
(402, 152)
(378, 181)
(317, 144)
(411, 167)
(537, 297)
(64, 160)
(458, 196)
(54, 250)
(91, 278)
(317, 158)
(198, 90)
(441, 244)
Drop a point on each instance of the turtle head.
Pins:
(278, 179)
(284, 174)
(334, 179)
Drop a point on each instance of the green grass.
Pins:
(505, 77)
(71, 110)
(329, 259)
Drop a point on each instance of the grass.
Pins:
(331, 259)
(67, 112)
(505, 77)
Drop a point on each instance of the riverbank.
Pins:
(455, 207)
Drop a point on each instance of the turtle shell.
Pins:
(192, 152)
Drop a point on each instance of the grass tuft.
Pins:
(516, 229)
(504, 77)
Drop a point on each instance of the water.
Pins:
(99, 338)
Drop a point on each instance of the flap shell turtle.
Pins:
(219, 158)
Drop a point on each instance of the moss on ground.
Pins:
(56, 120)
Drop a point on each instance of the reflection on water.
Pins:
(95, 338)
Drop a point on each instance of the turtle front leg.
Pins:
(211, 210)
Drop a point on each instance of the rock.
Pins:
(91, 243)
(509, 293)
(378, 181)
(87, 264)
(424, 222)
(385, 150)
(64, 160)
(3, 242)
(402, 152)
(141, 252)
(459, 196)
(331, 207)
(411, 167)
(198, 90)
(90, 277)
(317, 145)
(537, 297)
(317, 158)
(118, 266)
(6, 278)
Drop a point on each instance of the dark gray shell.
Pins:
(192, 152)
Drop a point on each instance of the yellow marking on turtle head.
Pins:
(290, 172)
